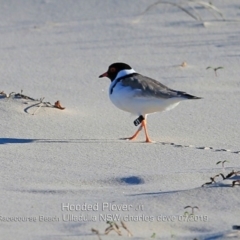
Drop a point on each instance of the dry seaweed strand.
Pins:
(232, 173)
(212, 180)
(192, 5)
(108, 230)
(125, 227)
(113, 227)
(234, 183)
(215, 70)
(57, 104)
(97, 233)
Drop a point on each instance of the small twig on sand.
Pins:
(215, 70)
(39, 106)
(174, 4)
(222, 162)
(230, 174)
(125, 227)
(97, 233)
(212, 180)
(234, 183)
(113, 227)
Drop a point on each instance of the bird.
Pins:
(140, 95)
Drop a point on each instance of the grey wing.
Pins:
(149, 87)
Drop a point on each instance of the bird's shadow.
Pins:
(26, 140)
(80, 140)
(109, 141)
(16, 140)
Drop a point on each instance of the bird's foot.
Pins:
(128, 138)
(134, 135)
(149, 141)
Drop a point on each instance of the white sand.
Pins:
(57, 49)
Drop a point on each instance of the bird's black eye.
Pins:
(112, 69)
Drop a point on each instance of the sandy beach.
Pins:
(66, 172)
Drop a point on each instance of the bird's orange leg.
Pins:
(136, 133)
(144, 124)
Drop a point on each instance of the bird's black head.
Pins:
(114, 69)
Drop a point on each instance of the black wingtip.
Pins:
(194, 97)
(185, 95)
(188, 96)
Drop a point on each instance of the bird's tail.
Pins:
(189, 96)
(186, 95)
